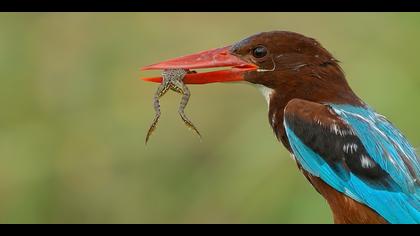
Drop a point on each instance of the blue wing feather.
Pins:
(386, 145)
(388, 148)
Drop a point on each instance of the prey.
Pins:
(172, 79)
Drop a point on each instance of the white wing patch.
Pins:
(366, 162)
(350, 148)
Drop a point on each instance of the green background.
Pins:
(74, 116)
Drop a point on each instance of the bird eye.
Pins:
(259, 51)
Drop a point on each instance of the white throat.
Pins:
(266, 92)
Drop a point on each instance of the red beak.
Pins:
(220, 57)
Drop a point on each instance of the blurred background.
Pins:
(74, 116)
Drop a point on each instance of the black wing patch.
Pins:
(342, 150)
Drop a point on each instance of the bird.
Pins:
(362, 165)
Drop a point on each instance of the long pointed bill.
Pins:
(220, 57)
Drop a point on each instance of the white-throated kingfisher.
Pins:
(354, 157)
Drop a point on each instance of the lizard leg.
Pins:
(184, 101)
(156, 105)
(177, 86)
(162, 90)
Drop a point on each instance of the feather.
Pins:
(382, 172)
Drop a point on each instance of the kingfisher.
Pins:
(354, 157)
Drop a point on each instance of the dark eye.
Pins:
(259, 52)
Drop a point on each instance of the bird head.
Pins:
(288, 64)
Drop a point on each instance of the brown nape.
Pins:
(302, 68)
(328, 86)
